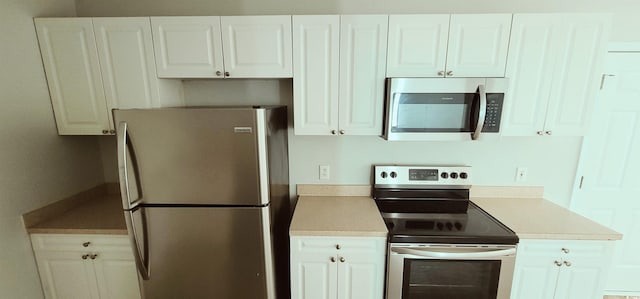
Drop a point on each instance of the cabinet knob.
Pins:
(86, 244)
(333, 132)
(218, 73)
(548, 132)
(226, 74)
(540, 133)
(449, 73)
(341, 132)
(105, 131)
(565, 250)
(85, 256)
(342, 259)
(333, 259)
(338, 246)
(441, 73)
(558, 263)
(112, 131)
(93, 256)
(568, 264)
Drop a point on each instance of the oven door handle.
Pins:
(459, 255)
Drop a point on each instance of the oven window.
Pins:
(450, 279)
(433, 112)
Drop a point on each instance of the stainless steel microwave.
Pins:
(443, 109)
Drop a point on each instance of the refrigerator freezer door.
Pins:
(201, 156)
(204, 253)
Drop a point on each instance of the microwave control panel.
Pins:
(494, 113)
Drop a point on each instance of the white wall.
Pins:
(37, 165)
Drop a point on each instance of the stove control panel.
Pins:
(396, 175)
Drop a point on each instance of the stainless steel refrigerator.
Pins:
(205, 193)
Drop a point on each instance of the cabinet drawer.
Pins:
(322, 244)
(72, 242)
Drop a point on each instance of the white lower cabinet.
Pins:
(337, 267)
(561, 269)
(86, 266)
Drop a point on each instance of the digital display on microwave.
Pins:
(423, 174)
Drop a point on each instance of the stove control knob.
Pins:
(463, 175)
(454, 175)
(393, 174)
(440, 226)
(449, 226)
(383, 174)
(444, 175)
(458, 225)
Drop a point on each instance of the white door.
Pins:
(608, 182)
(66, 275)
(478, 45)
(71, 64)
(188, 47)
(316, 50)
(257, 46)
(417, 45)
(363, 52)
(125, 50)
(314, 275)
(116, 275)
(360, 275)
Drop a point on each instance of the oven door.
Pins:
(437, 271)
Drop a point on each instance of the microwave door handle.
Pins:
(458, 255)
(395, 106)
(482, 113)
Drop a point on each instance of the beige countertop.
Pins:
(96, 211)
(352, 216)
(537, 218)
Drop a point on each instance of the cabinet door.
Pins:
(125, 49)
(584, 271)
(532, 57)
(116, 275)
(73, 73)
(315, 82)
(363, 52)
(536, 271)
(66, 275)
(417, 45)
(314, 268)
(581, 43)
(187, 47)
(361, 269)
(478, 45)
(257, 46)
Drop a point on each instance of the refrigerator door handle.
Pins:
(125, 150)
(141, 264)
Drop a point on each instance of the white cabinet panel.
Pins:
(554, 69)
(363, 49)
(315, 80)
(478, 45)
(339, 74)
(66, 275)
(73, 73)
(360, 275)
(188, 47)
(417, 45)
(257, 46)
(116, 275)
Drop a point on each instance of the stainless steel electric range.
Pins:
(441, 245)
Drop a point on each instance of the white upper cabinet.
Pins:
(417, 45)
(257, 46)
(458, 45)
(72, 68)
(220, 47)
(188, 47)
(339, 74)
(96, 65)
(554, 69)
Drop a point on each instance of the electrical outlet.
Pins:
(521, 174)
(324, 172)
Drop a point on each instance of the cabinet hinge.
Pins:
(581, 181)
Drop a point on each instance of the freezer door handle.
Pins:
(142, 260)
(125, 151)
